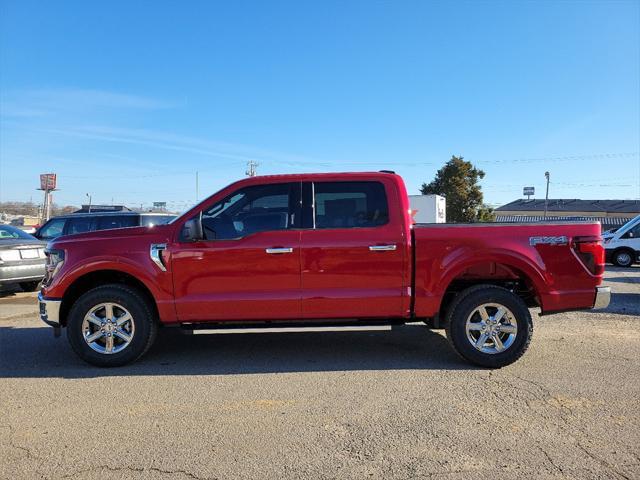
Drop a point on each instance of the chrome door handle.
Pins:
(382, 248)
(277, 250)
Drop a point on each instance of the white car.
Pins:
(622, 247)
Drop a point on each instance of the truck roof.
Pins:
(325, 174)
(314, 176)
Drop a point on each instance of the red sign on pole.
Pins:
(48, 181)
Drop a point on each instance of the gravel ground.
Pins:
(387, 405)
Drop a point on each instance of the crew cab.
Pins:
(318, 249)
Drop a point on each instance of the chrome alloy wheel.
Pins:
(491, 328)
(108, 328)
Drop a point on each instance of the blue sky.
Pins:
(127, 100)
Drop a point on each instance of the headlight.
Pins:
(55, 260)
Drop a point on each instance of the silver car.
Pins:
(22, 258)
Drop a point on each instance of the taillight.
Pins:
(591, 252)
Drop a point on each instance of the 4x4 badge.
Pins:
(562, 240)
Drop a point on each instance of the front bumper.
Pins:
(49, 310)
(603, 297)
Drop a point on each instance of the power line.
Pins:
(253, 164)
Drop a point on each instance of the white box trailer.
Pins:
(429, 208)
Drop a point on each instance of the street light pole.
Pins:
(89, 202)
(546, 197)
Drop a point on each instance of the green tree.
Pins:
(458, 182)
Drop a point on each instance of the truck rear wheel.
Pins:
(489, 326)
(111, 325)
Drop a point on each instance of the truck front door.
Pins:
(248, 265)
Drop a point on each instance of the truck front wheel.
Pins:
(489, 326)
(111, 325)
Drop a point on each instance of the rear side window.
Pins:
(350, 204)
(52, 229)
(80, 225)
(117, 221)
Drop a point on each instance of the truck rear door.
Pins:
(352, 250)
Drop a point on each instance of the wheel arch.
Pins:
(514, 274)
(90, 280)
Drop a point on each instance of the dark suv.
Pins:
(88, 222)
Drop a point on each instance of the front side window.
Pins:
(250, 210)
(52, 229)
(350, 204)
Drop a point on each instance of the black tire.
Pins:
(142, 313)
(29, 286)
(465, 304)
(623, 257)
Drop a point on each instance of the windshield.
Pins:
(8, 232)
(628, 226)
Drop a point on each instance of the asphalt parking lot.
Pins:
(394, 404)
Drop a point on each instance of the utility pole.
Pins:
(48, 201)
(252, 165)
(197, 187)
(547, 175)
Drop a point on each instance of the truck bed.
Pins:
(539, 257)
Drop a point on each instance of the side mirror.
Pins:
(192, 229)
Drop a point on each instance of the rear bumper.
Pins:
(603, 297)
(592, 298)
(21, 273)
(49, 310)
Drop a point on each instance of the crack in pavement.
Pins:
(602, 462)
(549, 459)
(27, 450)
(30, 455)
(566, 427)
(138, 470)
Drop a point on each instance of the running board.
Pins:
(352, 328)
(287, 326)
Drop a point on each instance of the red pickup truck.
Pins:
(318, 249)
